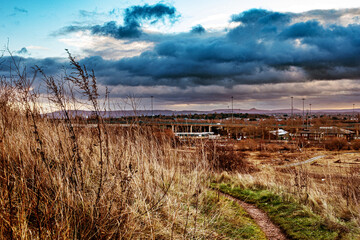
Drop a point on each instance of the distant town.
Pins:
(269, 126)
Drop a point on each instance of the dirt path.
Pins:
(271, 231)
(301, 163)
(307, 161)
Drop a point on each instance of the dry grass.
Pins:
(334, 194)
(64, 182)
(145, 186)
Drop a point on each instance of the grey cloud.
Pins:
(320, 93)
(329, 16)
(261, 16)
(89, 14)
(245, 53)
(115, 12)
(51, 66)
(133, 18)
(198, 29)
(265, 48)
(23, 51)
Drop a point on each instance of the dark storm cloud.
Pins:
(261, 17)
(133, 18)
(265, 47)
(51, 66)
(327, 52)
(198, 29)
(307, 29)
(135, 14)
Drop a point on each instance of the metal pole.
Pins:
(292, 106)
(232, 109)
(152, 106)
(307, 118)
(310, 115)
(353, 110)
(303, 110)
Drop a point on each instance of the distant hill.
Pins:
(128, 113)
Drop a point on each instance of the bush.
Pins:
(226, 158)
(355, 144)
(336, 144)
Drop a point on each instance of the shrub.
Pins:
(355, 144)
(336, 144)
(226, 158)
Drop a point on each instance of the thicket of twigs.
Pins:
(227, 158)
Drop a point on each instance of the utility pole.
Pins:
(232, 109)
(310, 115)
(353, 110)
(292, 106)
(303, 110)
(307, 118)
(152, 106)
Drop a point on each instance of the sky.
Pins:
(197, 54)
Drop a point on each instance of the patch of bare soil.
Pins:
(271, 231)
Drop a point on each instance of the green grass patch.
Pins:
(228, 219)
(296, 221)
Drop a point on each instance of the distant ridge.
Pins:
(128, 113)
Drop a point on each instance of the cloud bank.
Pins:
(264, 48)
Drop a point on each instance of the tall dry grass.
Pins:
(61, 180)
